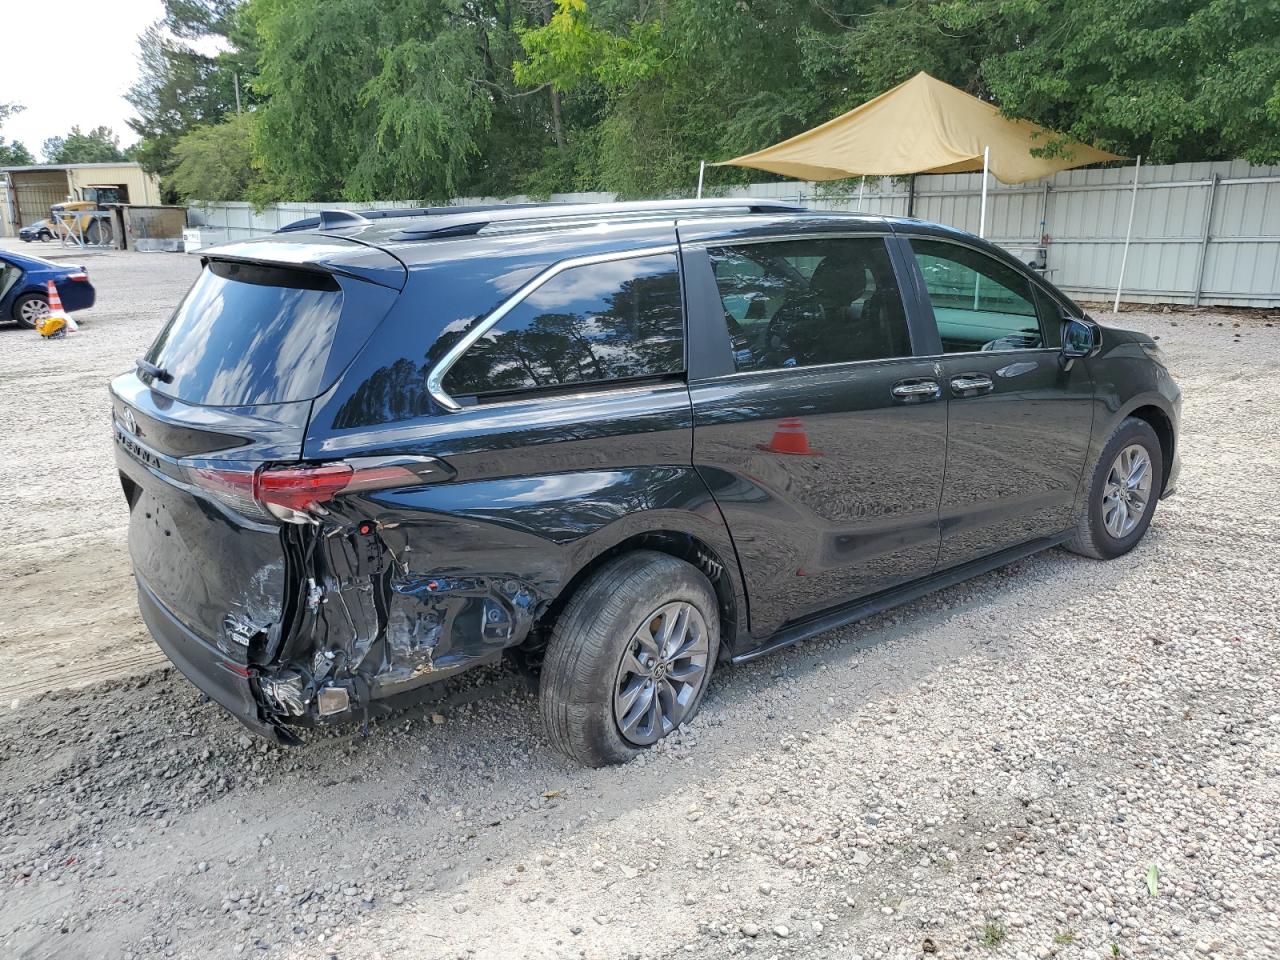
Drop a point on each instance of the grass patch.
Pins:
(1064, 937)
(993, 934)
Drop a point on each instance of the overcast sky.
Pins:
(59, 87)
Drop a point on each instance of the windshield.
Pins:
(249, 334)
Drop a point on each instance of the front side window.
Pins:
(600, 322)
(979, 303)
(799, 303)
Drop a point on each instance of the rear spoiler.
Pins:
(324, 254)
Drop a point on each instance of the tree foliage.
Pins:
(1170, 79)
(430, 99)
(215, 162)
(99, 145)
(393, 98)
(180, 88)
(12, 153)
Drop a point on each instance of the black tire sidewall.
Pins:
(1130, 431)
(597, 641)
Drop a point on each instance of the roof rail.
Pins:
(337, 219)
(469, 220)
(458, 224)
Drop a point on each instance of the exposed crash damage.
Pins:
(366, 626)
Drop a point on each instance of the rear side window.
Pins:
(800, 303)
(595, 323)
(249, 334)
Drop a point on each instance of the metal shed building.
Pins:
(29, 192)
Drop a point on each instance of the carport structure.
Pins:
(30, 191)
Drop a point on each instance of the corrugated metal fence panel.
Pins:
(1243, 256)
(1172, 257)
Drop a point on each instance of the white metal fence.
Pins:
(1203, 233)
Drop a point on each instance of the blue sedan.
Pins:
(24, 286)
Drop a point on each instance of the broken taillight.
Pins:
(297, 493)
(298, 489)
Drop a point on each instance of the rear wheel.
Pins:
(30, 309)
(630, 658)
(1123, 491)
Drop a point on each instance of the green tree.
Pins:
(179, 88)
(684, 80)
(214, 162)
(1174, 80)
(368, 99)
(99, 145)
(12, 153)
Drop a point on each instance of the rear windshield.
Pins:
(249, 334)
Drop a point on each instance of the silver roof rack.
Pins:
(533, 217)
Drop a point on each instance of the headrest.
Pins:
(839, 279)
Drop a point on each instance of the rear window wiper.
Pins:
(153, 371)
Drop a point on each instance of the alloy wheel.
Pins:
(1127, 491)
(662, 672)
(33, 311)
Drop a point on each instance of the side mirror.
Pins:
(1080, 338)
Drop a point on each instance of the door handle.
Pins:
(970, 383)
(917, 391)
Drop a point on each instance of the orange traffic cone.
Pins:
(790, 438)
(56, 323)
(55, 308)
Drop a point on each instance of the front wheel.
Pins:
(99, 233)
(1123, 491)
(630, 658)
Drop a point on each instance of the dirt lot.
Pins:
(1062, 758)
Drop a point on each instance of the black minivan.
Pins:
(624, 442)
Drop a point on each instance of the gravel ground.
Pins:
(1062, 758)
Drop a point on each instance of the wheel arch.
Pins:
(1162, 424)
(721, 571)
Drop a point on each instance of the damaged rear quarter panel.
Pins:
(477, 563)
(539, 491)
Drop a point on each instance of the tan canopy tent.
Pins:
(920, 126)
(926, 126)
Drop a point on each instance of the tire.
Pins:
(45, 236)
(586, 676)
(99, 233)
(29, 308)
(1093, 536)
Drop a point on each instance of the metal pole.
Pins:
(1204, 236)
(702, 170)
(911, 196)
(237, 79)
(982, 217)
(1128, 234)
(862, 186)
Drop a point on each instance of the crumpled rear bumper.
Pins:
(206, 666)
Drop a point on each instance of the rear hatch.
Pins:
(220, 402)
